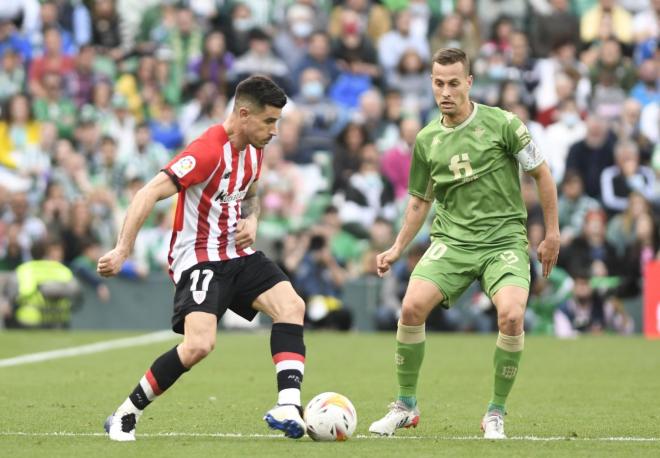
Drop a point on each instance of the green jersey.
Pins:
(472, 172)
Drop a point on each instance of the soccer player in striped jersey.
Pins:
(212, 263)
(468, 162)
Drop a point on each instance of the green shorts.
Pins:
(453, 268)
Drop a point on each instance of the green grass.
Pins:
(576, 390)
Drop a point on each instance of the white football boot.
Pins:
(286, 418)
(493, 426)
(121, 426)
(399, 416)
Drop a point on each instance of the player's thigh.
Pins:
(200, 330)
(281, 303)
(507, 266)
(262, 286)
(450, 268)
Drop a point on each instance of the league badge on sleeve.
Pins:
(183, 166)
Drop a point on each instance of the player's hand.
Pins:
(385, 260)
(246, 232)
(548, 252)
(110, 263)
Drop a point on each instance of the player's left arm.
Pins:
(519, 141)
(246, 229)
(548, 249)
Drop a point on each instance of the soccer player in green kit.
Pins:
(468, 161)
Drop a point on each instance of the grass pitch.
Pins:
(594, 396)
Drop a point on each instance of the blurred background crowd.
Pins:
(97, 95)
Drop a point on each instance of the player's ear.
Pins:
(243, 112)
(470, 79)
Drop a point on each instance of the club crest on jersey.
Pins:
(183, 166)
(199, 296)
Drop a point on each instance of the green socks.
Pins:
(408, 358)
(507, 357)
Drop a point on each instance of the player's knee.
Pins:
(291, 310)
(511, 320)
(413, 313)
(195, 351)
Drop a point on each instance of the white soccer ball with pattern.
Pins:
(330, 417)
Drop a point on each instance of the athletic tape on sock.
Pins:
(410, 334)
(511, 343)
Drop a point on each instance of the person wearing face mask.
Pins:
(560, 135)
(236, 27)
(322, 119)
(291, 41)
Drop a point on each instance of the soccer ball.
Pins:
(330, 417)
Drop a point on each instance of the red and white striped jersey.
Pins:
(212, 178)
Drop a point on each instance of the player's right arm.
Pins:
(413, 219)
(420, 187)
(159, 188)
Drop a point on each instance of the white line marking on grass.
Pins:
(89, 348)
(358, 437)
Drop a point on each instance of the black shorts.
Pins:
(216, 286)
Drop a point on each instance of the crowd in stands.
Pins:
(97, 95)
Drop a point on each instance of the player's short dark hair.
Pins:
(260, 91)
(448, 56)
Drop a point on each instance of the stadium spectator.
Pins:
(43, 291)
(19, 132)
(589, 157)
(410, 79)
(283, 197)
(647, 89)
(374, 19)
(322, 119)
(573, 205)
(606, 20)
(12, 40)
(186, 41)
(627, 175)
(55, 106)
(588, 312)
(148, 156)
(30, 228)
(622, 227)
(12, 75)
(368, 195)
(84, 267)
(318, 56)
(393, 44)
(260, 59)
(591, 251)
(213, 66)
(165, 128)
(346, 154)
(629, 126)
(106, 28)
(53, 60)
(561, 135)
(319, 278)
(292, 40)
(557, 24)
(395, 162)
(638, 255)
(456, 31)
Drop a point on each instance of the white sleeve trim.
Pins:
(530, 157)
